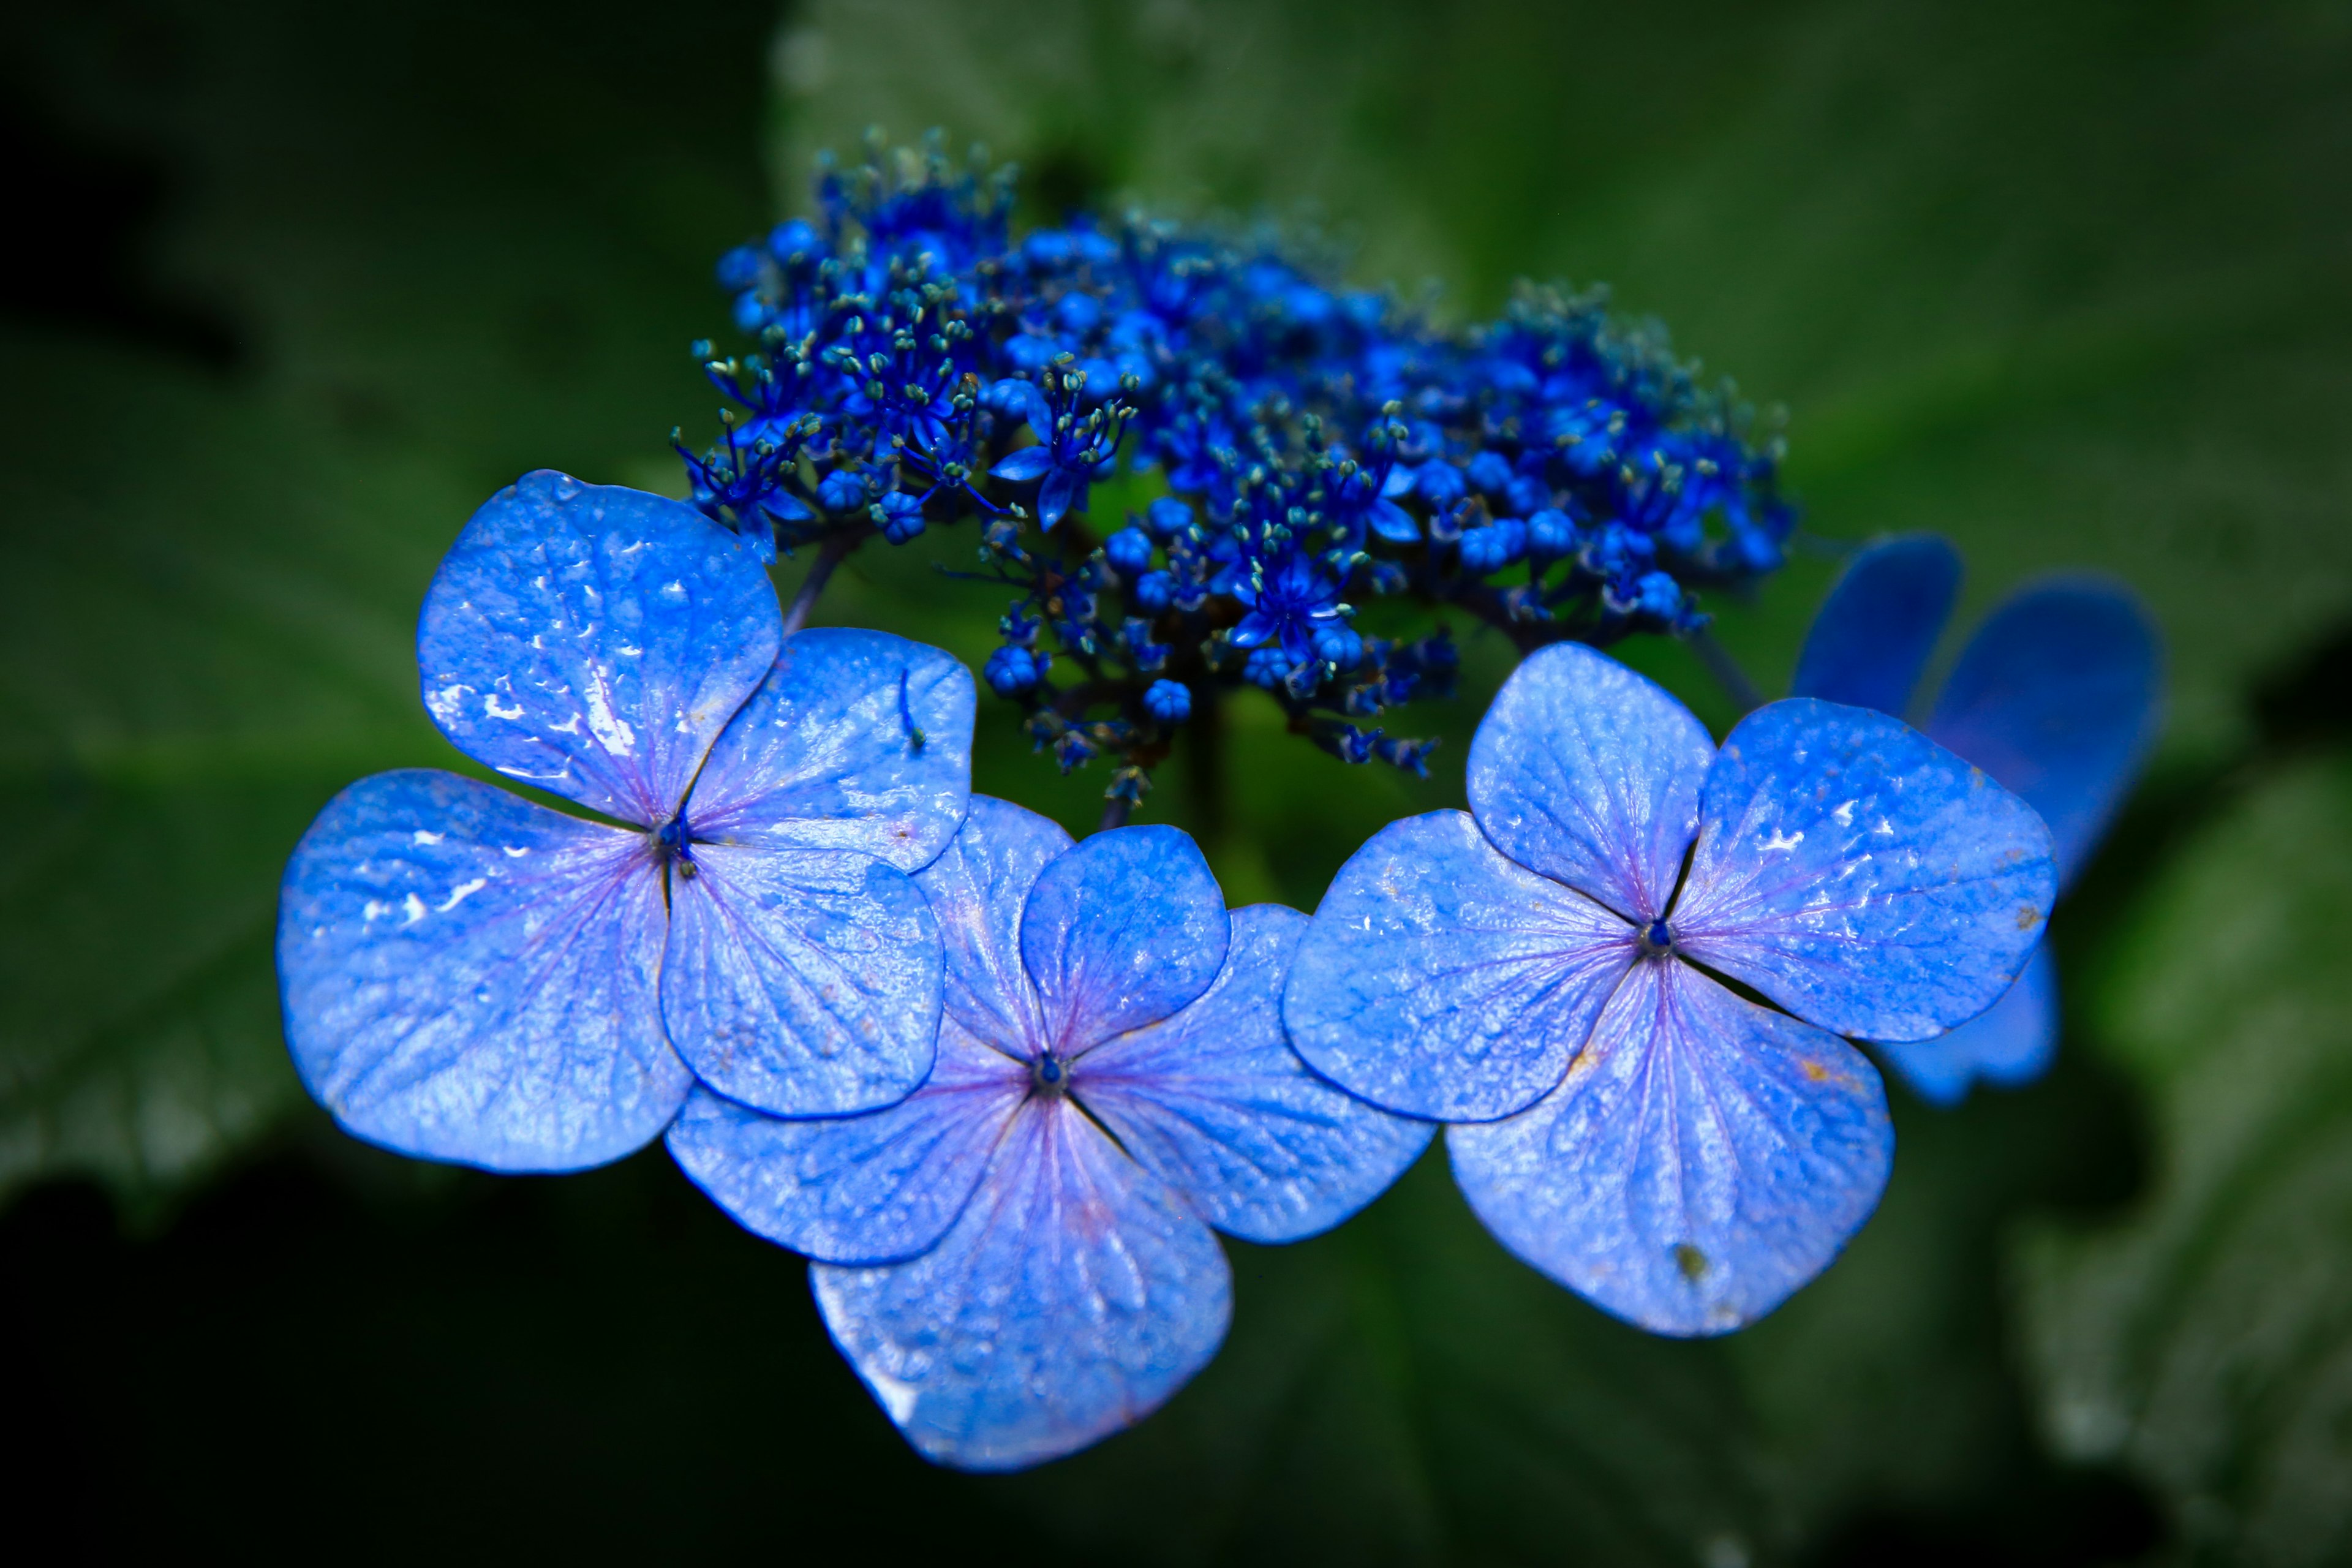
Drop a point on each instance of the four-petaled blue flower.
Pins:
(1073, 450)
(1018, 1258)
(2058, 696)
(469, 976)
(1543, 975)
(1287, 607)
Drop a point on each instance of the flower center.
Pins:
(1657, 939)
(1049, 1075)
(674, 844)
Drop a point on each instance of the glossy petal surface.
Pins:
(1121, 931)
(1216, 1104)
(2011, 1043)
(1590, 774)
(1879, 625)
(593, 641)
(2058, 697)
(1071, 1296)
(1440, 979)
(873, 1188)
(1029, 463)
(471, 977)
(977, 889)
(856, 740)
(1862, 875)
(801, 982)
(1703, 1159)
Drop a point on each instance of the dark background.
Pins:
(288, 292)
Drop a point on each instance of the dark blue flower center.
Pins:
(674, 843)
(1658, 937)
(1049, 1074)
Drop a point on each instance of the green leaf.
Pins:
(202, 647)
(2046, 278)
(2204, 1340)
(209, 580)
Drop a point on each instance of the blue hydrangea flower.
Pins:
(1019, 1258)
(1169, 702)
(469, 976)
(2058, 696)
(1544, 971)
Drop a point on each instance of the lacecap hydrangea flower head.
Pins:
(2058, 696)
(1294, 450)
(1019, 1258)
(471, 976)
(1626, 973)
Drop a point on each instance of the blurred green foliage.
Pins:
(2207, 1342)
(2067, 283)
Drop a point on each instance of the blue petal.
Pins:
(873, 1188)
(1039, 415)
(1879, 625)
(1215, 1103)
(1440, 979)
(1862, 875)
(471, 977)
(2012, 1044)
(801, 982)
(593, 641)
(1122, 931)
(1590, 774)
(1029, 463)
(1702, 1160)
(1056, 497)
(1075, 1294)
(977, 889)
(1392, 522)
(1251, 629)
(2058, 697)
(858, 739)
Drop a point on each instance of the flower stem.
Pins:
(1203, 751)
(1726, 672)
(1115, 810)
(820, 571)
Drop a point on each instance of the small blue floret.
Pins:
(1440, 483)
(844, 489)
(1490, 473)
(1169, 702)
(1339, 645)
(1551, 534)
(899, 516)
(1660, 595)
(1167, 517)
(1265, 667)
(1012, 671)
(790, 238)
(738, 269)
(1130, 550)
(1154, 592)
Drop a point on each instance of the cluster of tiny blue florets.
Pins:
(1553, 474)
